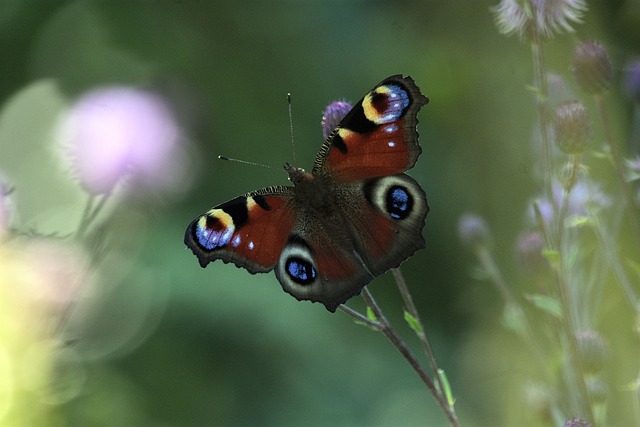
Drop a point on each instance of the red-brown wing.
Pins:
(378, 137)
(249, 231)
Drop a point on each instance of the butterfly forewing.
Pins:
(378, 137)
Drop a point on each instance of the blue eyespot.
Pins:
(211, 233)
(300, 270)
(397, 102)
(399, 202)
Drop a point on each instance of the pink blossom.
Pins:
(119, 132)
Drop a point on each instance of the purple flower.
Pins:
(632, 80)
(584, 195)
(473, 230)
(121, 132)
(576, 422)
(333, 115)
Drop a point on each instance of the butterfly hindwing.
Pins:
(387, 224)
(321, 265)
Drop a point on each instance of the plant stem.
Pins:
(90, 213)
(568, 325)
(491, 268)
(411, 307)
(360, 317)
(632, 207)
(401, 346)
(540, 83)
(564, 208)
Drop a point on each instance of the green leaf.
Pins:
(576, 221)
(413, 323)
(552, 256)
(371, 315)
(447, 388)
(547, 304)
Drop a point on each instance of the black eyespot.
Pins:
(300, 270)
(399, 202)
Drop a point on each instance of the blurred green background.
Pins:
(166, 343)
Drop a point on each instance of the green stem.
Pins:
(401, 346)
(359, 317)
(568, 325)
(564, 208)
(495, 276)
(540, 82)
(632, 207)
(90, 213)
(411, 308)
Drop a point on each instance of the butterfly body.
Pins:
(354, 216)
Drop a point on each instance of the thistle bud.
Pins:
(594, 351)
(597, 389)
(572, 127)
(333, 115)
(473, 230)
(592, 67)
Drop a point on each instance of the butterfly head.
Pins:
(297, 175)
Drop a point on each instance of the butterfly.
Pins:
(356, 215)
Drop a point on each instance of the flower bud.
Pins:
(594, 351)
(596, 388)
(473, 230)
(572, 127)
(592, 67)
(333, 115)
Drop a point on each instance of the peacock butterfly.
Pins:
(352, 218)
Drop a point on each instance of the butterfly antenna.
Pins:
(293, 145)
(247, 162)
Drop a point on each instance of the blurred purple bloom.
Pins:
(333, 115)
(529, 248)
(473, 230)
(583, 196)
(576, 422)
(559, 90)
(632, 80)
(119, 132)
